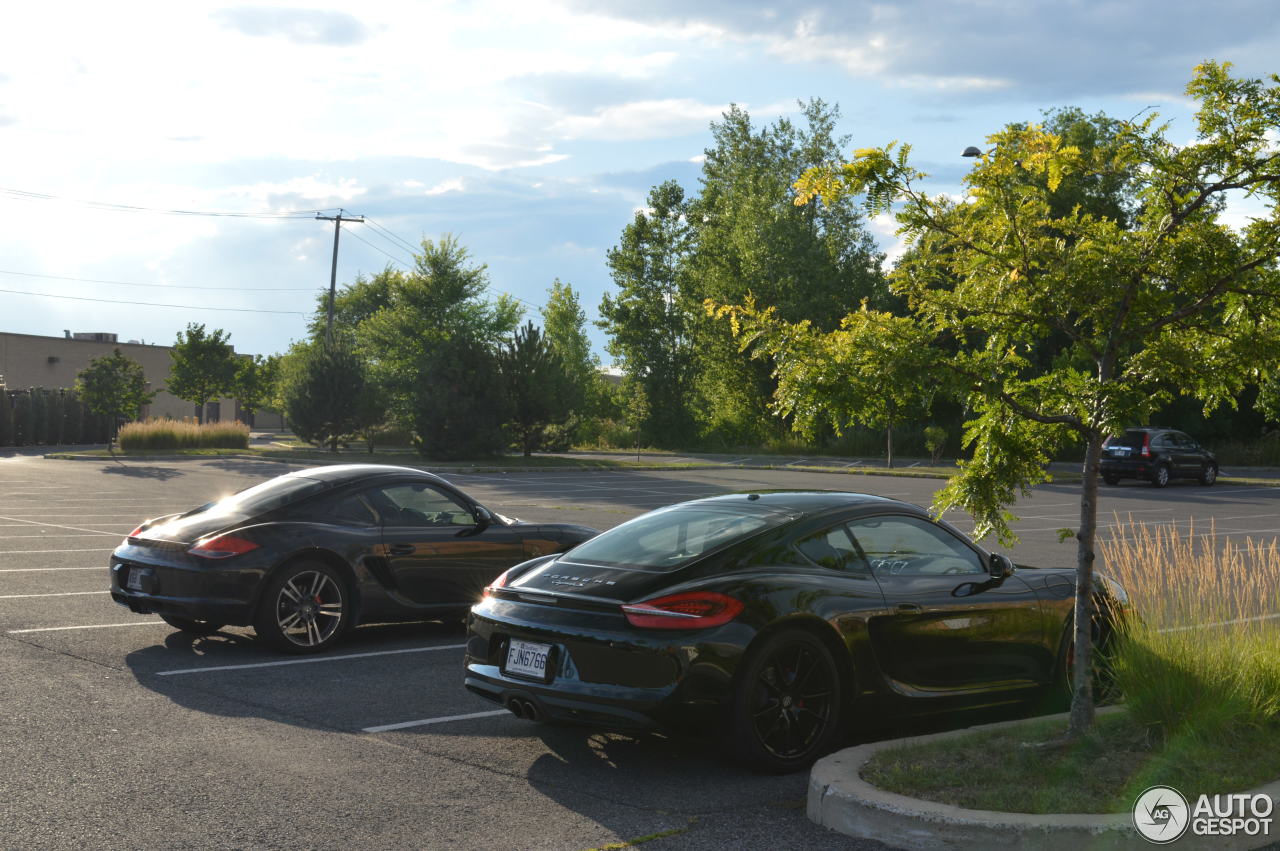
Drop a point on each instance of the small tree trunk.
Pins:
(888, 444)
(1082, 709)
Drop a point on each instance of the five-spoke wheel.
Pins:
(786, 708)
(1209, 474)
(1160, 477)
(304, 608)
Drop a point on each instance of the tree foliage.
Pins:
(564, 329)
(256, 379)
(539, 388)
(649, 320)
(115, 386)
(204, 367)
(326, 392)
(1065, 322)
(458, 407)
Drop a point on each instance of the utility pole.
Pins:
(333, 272)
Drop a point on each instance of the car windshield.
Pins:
(267, 496)
(669, 538)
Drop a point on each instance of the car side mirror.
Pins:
(1000, 567)
(482, 515)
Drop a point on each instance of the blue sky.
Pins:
(531, 130)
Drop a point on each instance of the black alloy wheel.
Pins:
(1209, 474)
(1160, 478)
(192, 625)
(786, 707)
(304, 608)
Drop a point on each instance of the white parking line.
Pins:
(59, 594)
(405, 724)
(59, 526)
(42, 552)
(41, 569)
(87, 626)
(308, 661)
(64, 535)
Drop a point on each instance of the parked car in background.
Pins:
(1157, 455)
(305, 556)
(773, 619)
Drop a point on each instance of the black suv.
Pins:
(1157, 455)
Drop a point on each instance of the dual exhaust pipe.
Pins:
(524, 708)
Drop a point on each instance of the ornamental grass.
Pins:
(1202, 658)
(155, 433)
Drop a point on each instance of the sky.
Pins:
(532, 131)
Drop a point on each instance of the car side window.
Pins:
(834, 549)
(1162, 441)
(350, 508)
(419, 504)
(910, 546)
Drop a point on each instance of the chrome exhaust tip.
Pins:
(531, 711)
(515, 707)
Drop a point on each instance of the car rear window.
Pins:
(268, 495)
(1132, 439)
(669, 538)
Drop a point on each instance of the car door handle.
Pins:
(908, 609)
(401, 549)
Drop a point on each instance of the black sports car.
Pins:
(770, 617)
(307, 555)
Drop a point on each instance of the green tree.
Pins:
(114, 386)
(812, 263)
(1066, 327)
(326, 392)
(204, 367)
(648, 320)
(256, 379)
(355, 302)
(459, 408)
(539, 389)
(564, 329)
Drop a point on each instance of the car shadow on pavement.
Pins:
(143, 472)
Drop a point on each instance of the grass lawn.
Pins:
(1103, 773)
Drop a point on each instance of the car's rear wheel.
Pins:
(192, 625)
(1160, 478)
(1209, 474)
(786, 705)
(305, 608)
(1111, 478)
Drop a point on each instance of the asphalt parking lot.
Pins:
(121, 732)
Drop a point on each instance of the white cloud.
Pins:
(640, 120)
(452, 185)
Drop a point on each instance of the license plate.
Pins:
(134, 580)
(526, 659)
(1120, 451)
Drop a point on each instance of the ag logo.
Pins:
(1161, 814)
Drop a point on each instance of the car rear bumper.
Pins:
(186, 590)
(602, 673)
(1128, 469)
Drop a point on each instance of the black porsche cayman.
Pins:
(307, 555)
(769, 617)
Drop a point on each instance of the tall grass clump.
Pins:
(1201, 659)
(156, 433)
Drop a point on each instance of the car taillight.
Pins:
(689, 610)
(223, 546)
(135, 532)
(1146, 446)
(497, 583)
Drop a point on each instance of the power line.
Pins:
(160, 286)
(154, 304)
(131, 208)
(389, 234)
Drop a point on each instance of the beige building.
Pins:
(28, 360)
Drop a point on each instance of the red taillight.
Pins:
(1146, 445)
(135, 532)
(223, 546)
(497, 583)
(690, 610)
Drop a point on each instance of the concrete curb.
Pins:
(839, 799)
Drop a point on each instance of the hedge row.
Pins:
(45, 417)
